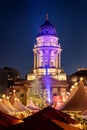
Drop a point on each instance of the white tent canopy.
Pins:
(77, 100)
(31, 105)
(9, 105)
(19, 106)
(3, 107)
(13, 97)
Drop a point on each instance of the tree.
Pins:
(36, 93)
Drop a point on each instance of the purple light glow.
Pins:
(48, 88)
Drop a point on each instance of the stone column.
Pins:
(56, 59)
(37, 59)
(34, 60)
(60, 60)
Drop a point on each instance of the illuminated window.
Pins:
(51, 63)
(42, 64)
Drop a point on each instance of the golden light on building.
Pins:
(47, 65)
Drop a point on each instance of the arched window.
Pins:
(52, 63)
(42, 63)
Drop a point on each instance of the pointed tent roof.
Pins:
(20, 107)
(44, 120)
(3, 107)
(32, 106)
(13, 97)
(77, 100)
(51, 113)
(17, 104)
(64, 125)
(9, 105)
(7, 120)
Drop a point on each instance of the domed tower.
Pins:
(47, 51)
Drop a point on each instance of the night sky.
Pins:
(19, 24)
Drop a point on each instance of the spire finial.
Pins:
(46, 16)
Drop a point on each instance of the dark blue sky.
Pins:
(19, 24)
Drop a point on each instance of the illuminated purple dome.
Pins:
(47, 29)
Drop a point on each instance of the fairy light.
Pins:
(76, 83)
(7, 98)
(81, 78)
(3, 96)
(14, 90)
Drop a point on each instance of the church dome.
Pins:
(47, 29)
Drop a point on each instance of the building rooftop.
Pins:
(47, 29)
